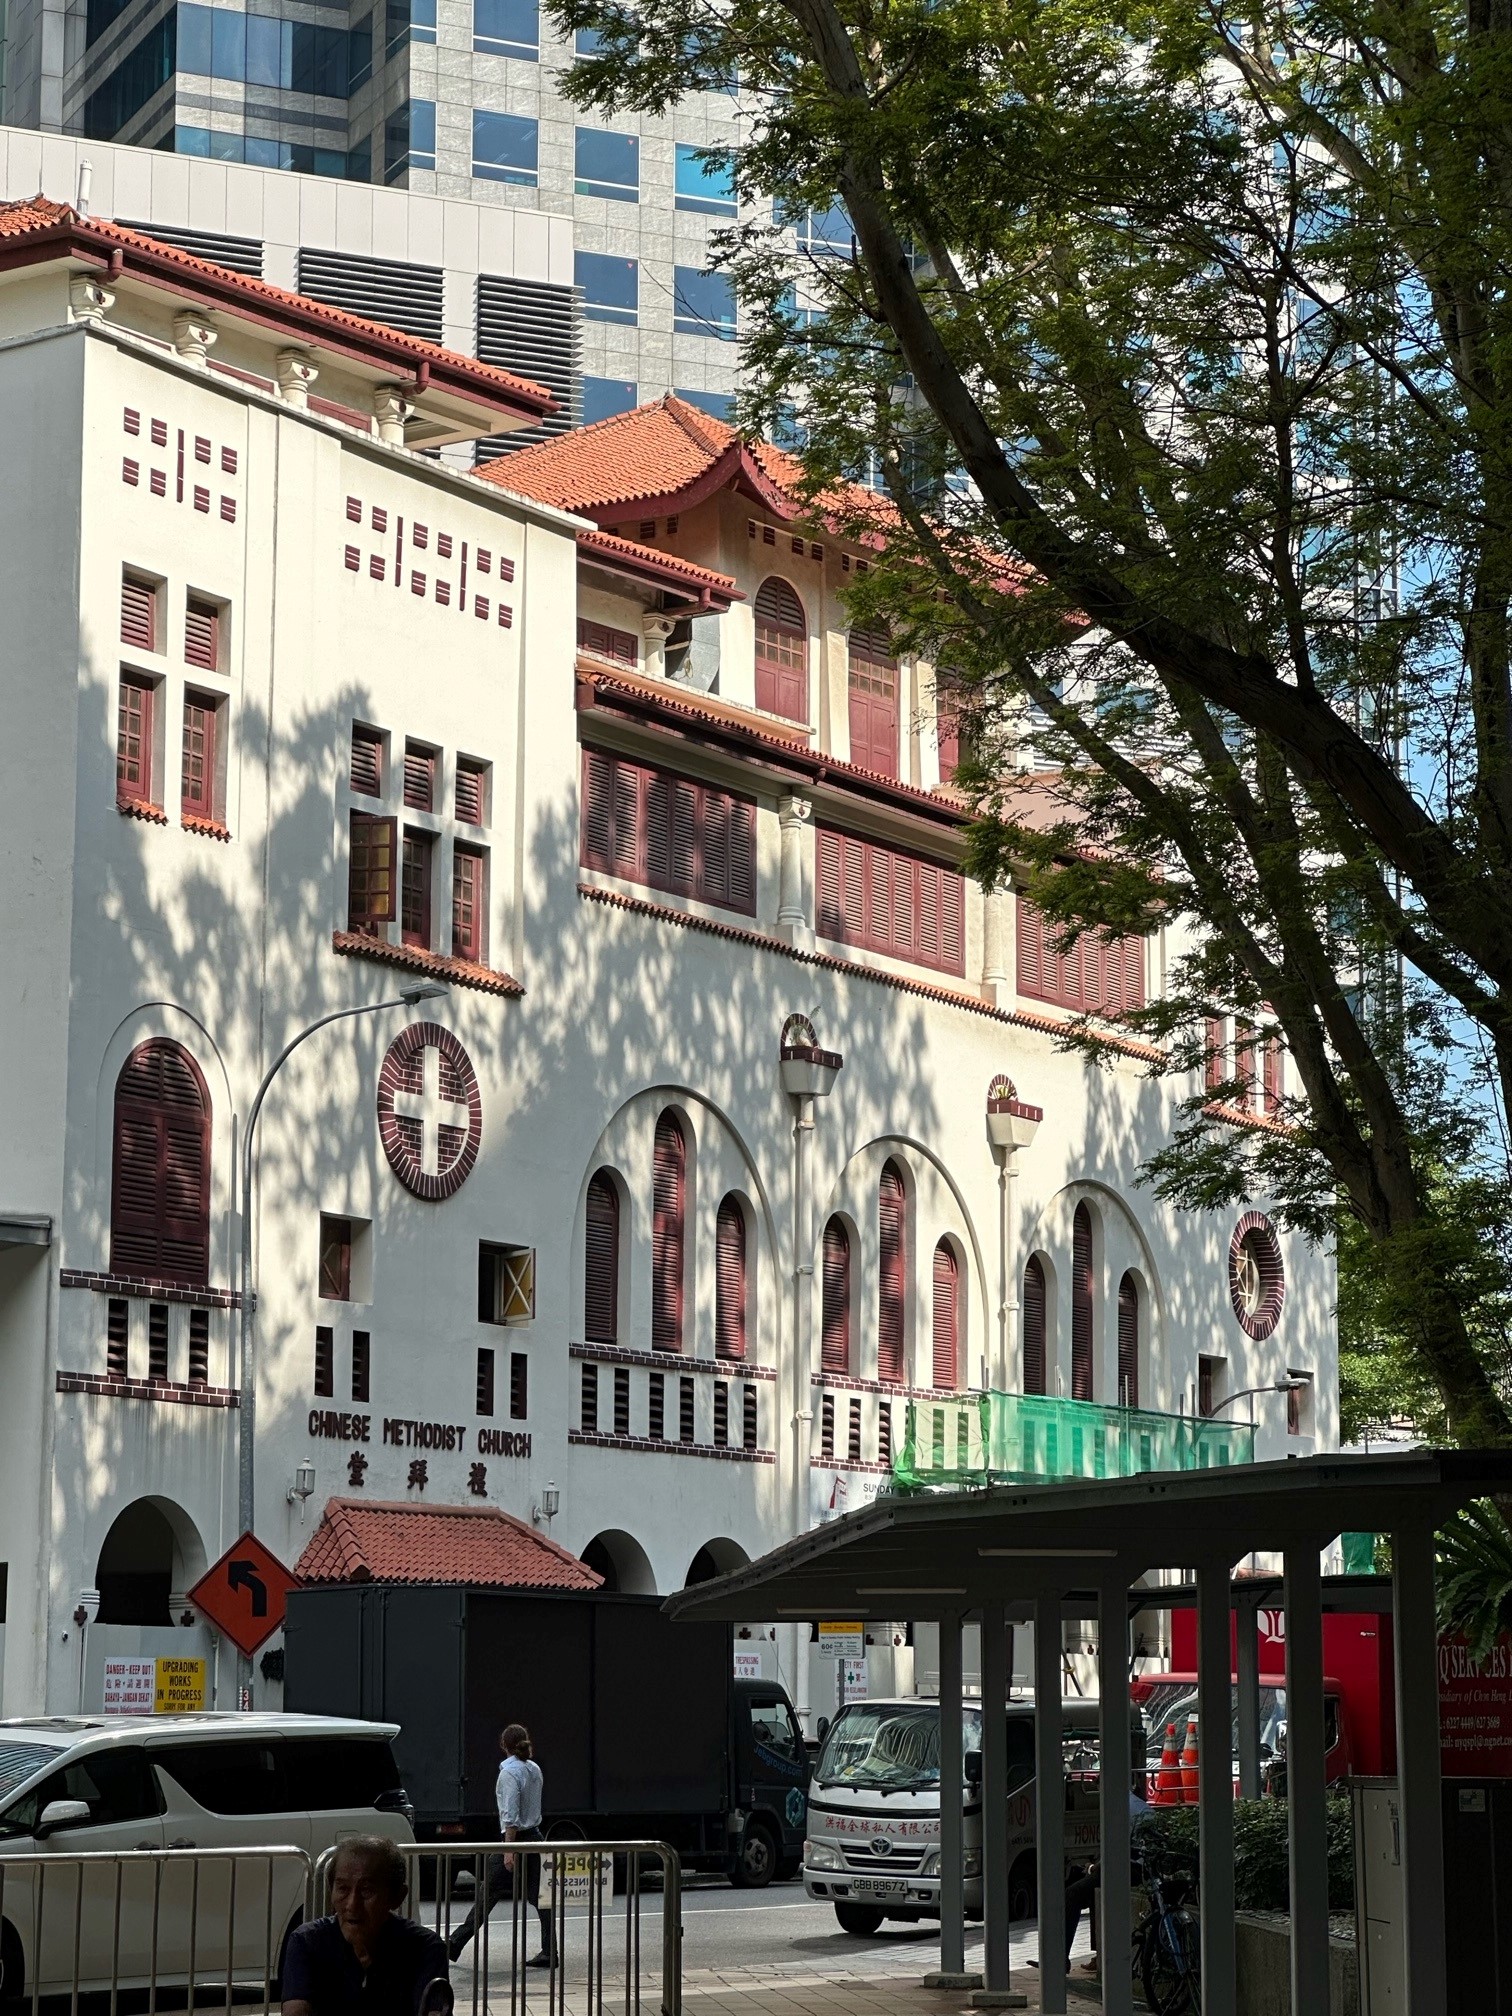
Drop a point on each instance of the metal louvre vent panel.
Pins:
(535, 328)
(241, 255)
(384, 290)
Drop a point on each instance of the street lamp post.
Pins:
(1289, 1382)
(407, 997)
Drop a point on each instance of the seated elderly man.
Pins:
(364, 1957)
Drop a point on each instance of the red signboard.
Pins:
(244, 1594)
(1475, 1710)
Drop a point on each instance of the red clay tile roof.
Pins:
(651, 561)
(375, 1540)
(667, 453)
(47, 223)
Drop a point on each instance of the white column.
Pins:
(793, 920)
(391, 409)
(802, 1406)
(192, 338)
(997, 947)
(296, 374)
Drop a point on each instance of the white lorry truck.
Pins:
(873, 1843)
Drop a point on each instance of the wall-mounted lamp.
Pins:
(303, 1487)
(550, 1504)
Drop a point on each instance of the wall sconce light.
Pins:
(551, 1501)
(303, 1487)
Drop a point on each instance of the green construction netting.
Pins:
(981, 1438)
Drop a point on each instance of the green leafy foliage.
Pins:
(1262, 1880)
(1475, 1577)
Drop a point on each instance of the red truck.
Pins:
(1475, 1708)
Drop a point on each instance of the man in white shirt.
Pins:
(519, 1791)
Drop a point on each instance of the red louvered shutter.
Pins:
(1271, 1058)
(781, 650)
(1034, 1325)
(160, 1171)
(948, 723)
(714, 847)
(1215, 1064)
(1031, 948)
(669, 1181)
(629, 784)
(903, 938)
(202, 635)
(469, 791)
(601, 1262)
(598, 811)
(947, 1318)
(892, 1287)
(367, 762)
(872, 682)
(658, 856)
(1244, 1061)
(743, 856)
(600, 641)
(856, 877)
(952, 922)
(834, 1348)
(1128, 1342)
(931, 880)
(730, 1280)
(419, 777)
(830, 848)
(138, 614)
(1082, 1377)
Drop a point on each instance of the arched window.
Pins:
(668, 1216)
(730, 1280)
(601, 1262)
(835, 1342)
(892, 1285)
(781, 650)
(873, 687)
(1081, 1305)
(160, 1171)
(947, 1318)
(1034, 1325)
(1128, 1342)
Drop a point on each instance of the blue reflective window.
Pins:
(409, 139)
(266, 43)
(720, 404)
(504, 148)
(191, 140)
(194, 43)
(226, 146)
(703, 304)
(610, 287)
(824, 233)
(589, 42)
(507, 28)
(604, 397)
(264, 153)
(360, 60)
(607, 164)
(422, 133)
(228, 44)
(409, 21)
(705, 184)
(136, 79)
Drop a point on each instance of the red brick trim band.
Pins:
(842, 1382)
(138, 1288)
(171, 1390)
(396, 1076)
(671, 1361)
(844, 1463)
(1045, 1024)
(643, 1445)
(460, 972)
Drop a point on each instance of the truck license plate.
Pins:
(878, 1886)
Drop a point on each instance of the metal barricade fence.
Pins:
(590, 1901)
(207, 1924)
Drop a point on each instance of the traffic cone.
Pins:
(1167, 1790)
(1189, 1766)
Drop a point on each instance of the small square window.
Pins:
(472, 792)
(607, 165)
(506, 1283)
(362, 1366)
(325, 1363)
(335, 1259)
(1209, 1384)
(656, 1417)
(704, 183)
(199, 1347)
(507, 28)
(157, 1340)
(588, 1401)
(685, 1406)
(367, 761)
(519, 1386)
(621, 1400)
(202, 633)
(505, 148)
(604, 397)
(610, 288)
(419, 769)
(140, 626)
(485, 1385)
(117, 1334)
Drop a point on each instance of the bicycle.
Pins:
(1167, 1940)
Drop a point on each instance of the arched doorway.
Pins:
(623, 1563)
(715, 1557)
(151, 1553)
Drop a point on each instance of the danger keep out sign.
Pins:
(154, 1686)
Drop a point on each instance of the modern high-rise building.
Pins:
(459, 99)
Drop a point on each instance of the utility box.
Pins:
(1380, 1931)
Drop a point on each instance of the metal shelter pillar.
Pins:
(1307, 1801)
(995, 1992)
(1116, 1770)
(1247, 1704)
(1049, 1802)
(952, 1970)
(1215, 1797)
(1415, 1630)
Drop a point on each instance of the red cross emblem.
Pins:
(430, 1112)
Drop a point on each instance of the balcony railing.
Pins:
(1024, 1438)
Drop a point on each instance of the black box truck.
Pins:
(638, 1723)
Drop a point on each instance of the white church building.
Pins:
(302, 716)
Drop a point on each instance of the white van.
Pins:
(76, 1785)
(873, 1846)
